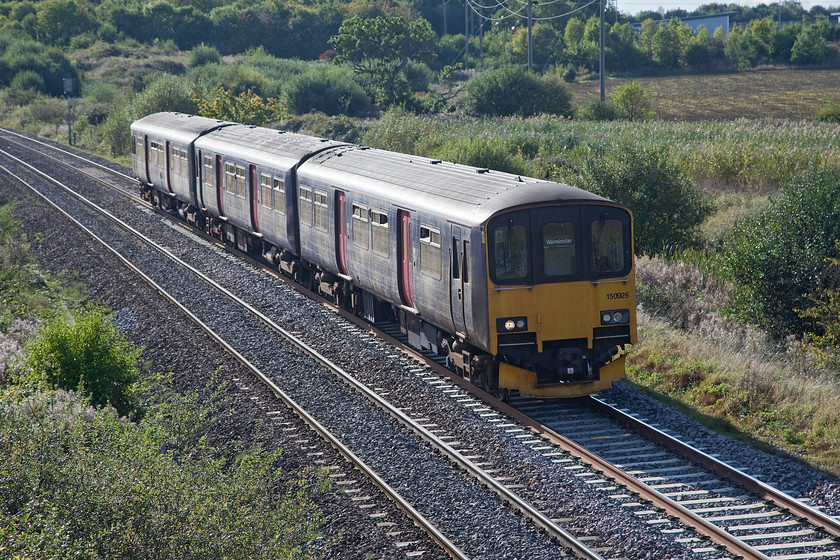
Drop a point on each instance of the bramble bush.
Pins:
(779, 256)
(87, 354)
(329, 89)
(510, 90)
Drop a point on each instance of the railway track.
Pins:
(169, 288)
(730, 514)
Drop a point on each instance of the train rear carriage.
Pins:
(524, 284)
(162, 155)
(247, 185)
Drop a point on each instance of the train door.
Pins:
(341, 232)
(146, 156)
(168, 170)
(406, 270)
(252, 192)
(456, 280)
(201, 180)
(219, 186)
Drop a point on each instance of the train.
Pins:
(519, 284)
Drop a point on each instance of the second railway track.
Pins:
(582, 495)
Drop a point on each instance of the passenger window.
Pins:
(321, 211)
(465, 268)
(559, 249)
(430, 256)
(361, 229)
(279, 195)
(456, 257)
(510, 244)
(379, 225)
(265, 190)
(240, 181)
(306, 206)
(607, 245)
(230, 177)
(208, 171)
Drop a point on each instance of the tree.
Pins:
(245, 108)
(61, 20)
(510, 90)
(380, 49)
(809, 47)
(634, 100)
(666, 45)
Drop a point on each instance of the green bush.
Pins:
(830, 112)
(76, 482)
(203, 54)
(509, 90)
(86, 354)
(667, 208)
(777, 257)
(597, 110)
(634, 101)
(493, 153)
(328, 89)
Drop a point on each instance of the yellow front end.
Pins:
(554, 314)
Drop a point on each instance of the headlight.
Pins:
(512, 324)
(615, 317)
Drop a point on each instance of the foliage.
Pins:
(86, 354)
(512, 91)
(328, 89)
(824, 311)
(491, 153)
(202, 55)
(77, 482)
(830, 112)
(634, 101)
(245, 108)
(809, 47)
(597, 110)
(49, 63)
(667, 208)
(777, 257)
(380, 49)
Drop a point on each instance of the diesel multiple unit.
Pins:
(522, 284)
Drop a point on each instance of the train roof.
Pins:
(460, 192)
(264, 145)
(179, 127)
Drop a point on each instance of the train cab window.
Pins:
(379, 226)
(559, 247)
(607, 246)
(430, 254)
(279, 195)
(208, 171)
(361, 228)
(510, 250)
(321, 211)
(306, 206)
(265, 190)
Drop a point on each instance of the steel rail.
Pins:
(502, 491)
(451, 549)
(815, 517)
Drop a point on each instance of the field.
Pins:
(757, 94)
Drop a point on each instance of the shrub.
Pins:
(634, 101)
(76, 482)
(24, 87)
(512, 91)
(328, 89)
(667, 208)
(830, 112)
(203, 54)
(777, 257)
(493, 153)
(87, 354)
(597, 110)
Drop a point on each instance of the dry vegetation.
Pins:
(757, 94)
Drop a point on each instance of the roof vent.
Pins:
(435, 161)
(364, 148)
(485, 170)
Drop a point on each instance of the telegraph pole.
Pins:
(601, 61)
(466, 34)
(530, 37)
(68, 90)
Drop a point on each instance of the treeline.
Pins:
(289, 29)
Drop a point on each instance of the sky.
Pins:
(635, 6)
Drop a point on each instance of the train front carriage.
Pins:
(561, 296)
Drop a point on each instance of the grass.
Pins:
(756, 94)
(731, 377)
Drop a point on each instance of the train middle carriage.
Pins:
(524, 284)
